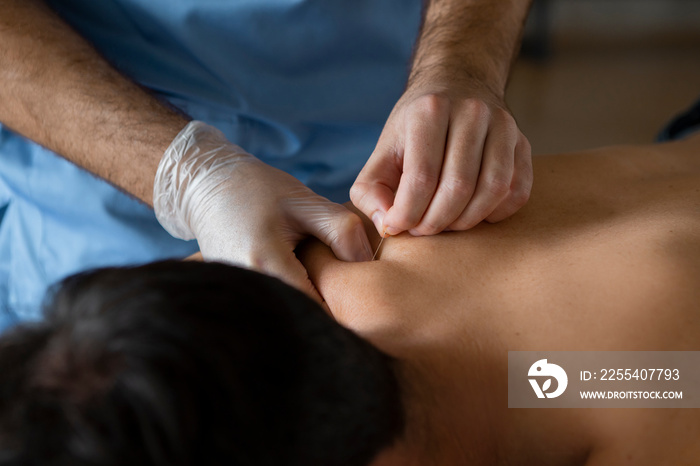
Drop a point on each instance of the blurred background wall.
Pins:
(598, 72)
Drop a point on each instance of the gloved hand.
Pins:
(450, 156)
(245, 212)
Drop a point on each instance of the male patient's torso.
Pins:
(605, 256)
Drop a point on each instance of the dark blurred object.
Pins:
(684, 124)
(537, 42)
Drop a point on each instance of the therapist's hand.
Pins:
(245, 212)
(450, 156)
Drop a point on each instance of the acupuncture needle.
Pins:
(384, 235)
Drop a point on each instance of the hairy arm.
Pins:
(451, 154)
(474, 40)
(58, 91)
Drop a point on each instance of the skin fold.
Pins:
(605, 256)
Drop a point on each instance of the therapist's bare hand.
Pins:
(446, 160)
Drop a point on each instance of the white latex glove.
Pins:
(245, 212)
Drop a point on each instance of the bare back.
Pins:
(605, 256)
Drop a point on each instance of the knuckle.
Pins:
(520, 196)
(432, 105)
(477, 108)
(504, 115)
(457, 188)
(422, 183)
(498, 185)
(508, 126)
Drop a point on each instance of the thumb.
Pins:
(337, 227)
(287, 268)
(275, 258)
(373, 190)
(373, 200)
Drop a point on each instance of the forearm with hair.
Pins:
(469, 40)
(58, 91)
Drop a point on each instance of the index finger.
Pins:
(373, 190)
(426, 133)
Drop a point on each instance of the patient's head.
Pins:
(187, 363)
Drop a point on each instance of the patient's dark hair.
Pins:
(187, 363)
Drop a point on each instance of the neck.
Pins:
(445, 424)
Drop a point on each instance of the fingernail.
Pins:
(378, 220)
(414, 232)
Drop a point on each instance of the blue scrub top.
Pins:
(305, 85)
